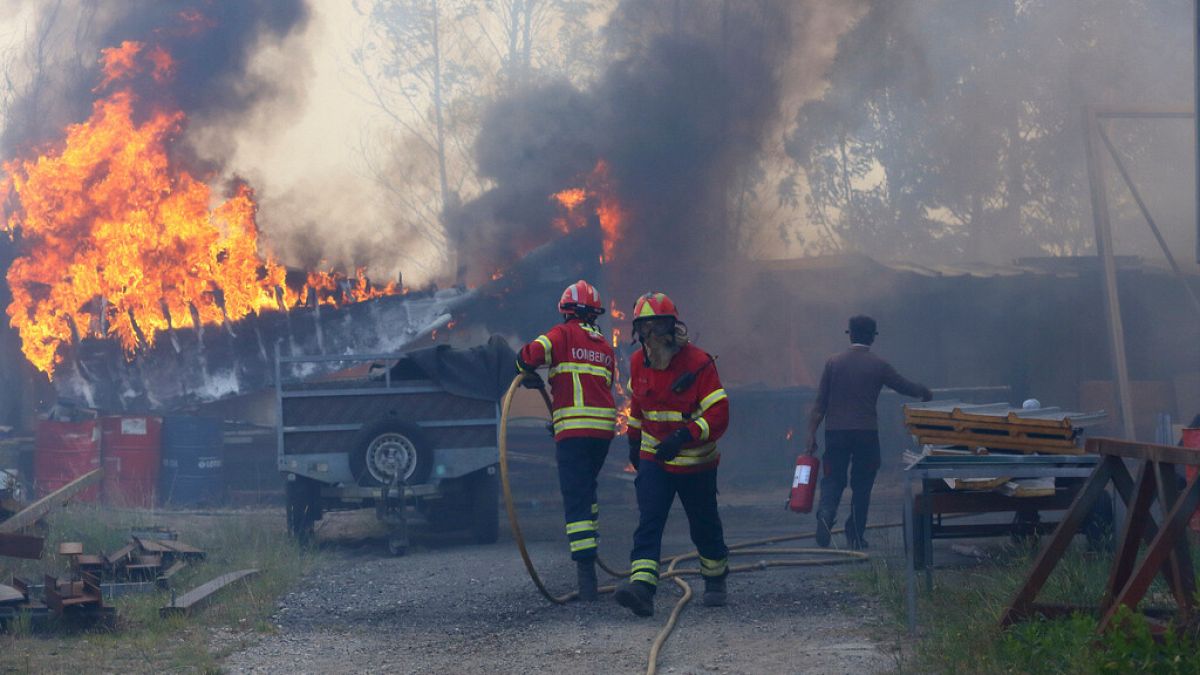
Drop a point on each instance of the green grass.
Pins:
(141, 641)
(958, 622)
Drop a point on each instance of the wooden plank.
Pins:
(195, 597)
(55, 500)
(968, 436)
(70, 548)
(990, 502)
(8, 594)
(21, 546)
(1132, 450)
(1178, 568)
(999, 443)
(1053, 551)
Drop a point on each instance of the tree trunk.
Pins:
(452, 243)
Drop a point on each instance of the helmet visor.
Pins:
(658, 325)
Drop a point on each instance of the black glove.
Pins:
(532, 380)
(635, 449)
(668, 449)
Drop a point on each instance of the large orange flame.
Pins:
(598, 194)
(117, 240)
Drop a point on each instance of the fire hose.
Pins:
(828, 556)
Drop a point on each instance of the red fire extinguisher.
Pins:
(804, 483)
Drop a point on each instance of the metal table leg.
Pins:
(910, 548)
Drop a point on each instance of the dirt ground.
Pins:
(452, 607)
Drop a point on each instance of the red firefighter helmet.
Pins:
(653, 305)
(580, 298)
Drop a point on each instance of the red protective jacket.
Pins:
(581, 375)
(656, 411)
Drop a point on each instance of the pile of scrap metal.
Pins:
(79, 600)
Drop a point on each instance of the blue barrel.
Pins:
(192, 449)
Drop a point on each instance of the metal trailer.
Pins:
(360, 436)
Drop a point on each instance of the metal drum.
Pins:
(64, 451)
(191, 462)
(130, 447)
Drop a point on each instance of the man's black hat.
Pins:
(861, 324)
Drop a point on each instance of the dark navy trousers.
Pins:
(656, 490)
(858, 452)
(579, 463)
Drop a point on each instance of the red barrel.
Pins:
(64, 451)
(132, 448)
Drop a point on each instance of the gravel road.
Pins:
(452, 607)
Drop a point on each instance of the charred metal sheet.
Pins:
(194, 598)
(21, 546)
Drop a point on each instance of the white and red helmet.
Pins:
(580, 298)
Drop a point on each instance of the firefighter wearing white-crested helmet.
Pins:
(678, 411)
(581, 371)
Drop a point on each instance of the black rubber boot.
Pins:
(586, 573)
(637, 596)
(824, 525)
(714, 591)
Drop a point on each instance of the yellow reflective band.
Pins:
(688, 456)
(644, 564)
(578, 389)
(633, 423)
(662, 415)
(712, 568)
(583, 544)
(584, 411)
(595, 510)
(704, 430)
(711, 400)
(581, 526)
(582, 369)
(545, 343)
(646, 577)
(585, 423)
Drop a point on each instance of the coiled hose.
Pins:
(673, 572)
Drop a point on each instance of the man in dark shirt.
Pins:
(846, 402)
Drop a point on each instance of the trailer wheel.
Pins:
(483, 495)
(388, 447)
(303, 508)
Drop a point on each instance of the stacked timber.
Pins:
(999, 427)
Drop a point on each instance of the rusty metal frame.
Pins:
(1167, 550)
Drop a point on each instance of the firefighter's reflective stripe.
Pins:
(713, 568)
(583, 544)
(701, 454)
(582, 369)
(704, 430)
(546, 346)
(584, 411)
(645, 571)
(595, 510)
(709, 401)
(585, 423)
(577, 387)
(663, 415)
(581, 526)
(633, 423)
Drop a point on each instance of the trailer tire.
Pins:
(390, 441)
(483, 500)
(303, 508)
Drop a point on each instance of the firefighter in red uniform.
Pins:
(677, 413)
(581, 367)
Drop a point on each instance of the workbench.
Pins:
(922, 512)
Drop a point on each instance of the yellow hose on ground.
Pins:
(830, 556)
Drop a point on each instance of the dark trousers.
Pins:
(656, 490)
(579, 462)
(857, 451)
